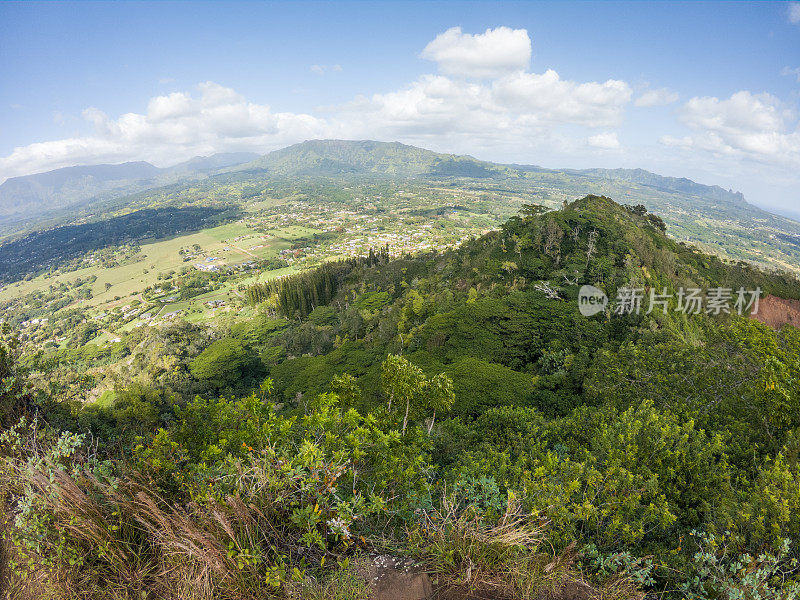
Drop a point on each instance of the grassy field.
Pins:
(122, 286)
(162, 256)
(196, 310)
(294, 232)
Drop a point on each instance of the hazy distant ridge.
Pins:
(32, 195)
(340, 157)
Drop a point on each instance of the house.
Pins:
(206, 268)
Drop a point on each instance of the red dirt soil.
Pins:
(777, 312)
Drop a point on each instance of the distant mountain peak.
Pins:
(674, 184)
(35, 195)
(219, 160)
(368, 157)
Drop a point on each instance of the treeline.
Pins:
(299, 294)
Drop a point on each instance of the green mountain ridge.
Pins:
(675, 184)
(533, 263)
(342, 157)
(718, 220)
(23, 197)
(37, 195)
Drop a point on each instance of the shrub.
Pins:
(719, 573)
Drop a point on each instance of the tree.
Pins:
(346, 387)
(657, 222)
(402, 381)
(15, 398)
(639, 209)
(407, 383)
(532, 210)
(439, 395)
(552, 239)
(222, 363)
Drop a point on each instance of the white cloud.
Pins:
(520, 108)
(746, 125)
(515, 108)
(484, 100)
(322, 69)
(789, 72)
(794, 12)
(548, 98)
(604, 141)
(173, 106)
(173, 128)
(485, 55)
(659, 97)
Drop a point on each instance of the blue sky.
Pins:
(709, 91)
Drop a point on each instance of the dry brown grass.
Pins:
(130, 543)
(508, 559)
(4, 551)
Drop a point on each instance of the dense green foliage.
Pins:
(432, 401)
(298, 295)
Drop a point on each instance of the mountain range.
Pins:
(34, 195)
(40, 194)
(717, 219)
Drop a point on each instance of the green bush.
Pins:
(222, 364)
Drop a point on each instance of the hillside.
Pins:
(45, 193)
(540, 262)
(220, 160)
(453, 407)
(672, 184)
(717, 220)
(324, 158)
(24, 196)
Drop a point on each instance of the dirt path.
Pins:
(242, 250)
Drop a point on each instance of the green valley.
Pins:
(344, 349)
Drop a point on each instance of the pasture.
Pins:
(228, 244)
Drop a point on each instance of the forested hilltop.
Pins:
(456, 407)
